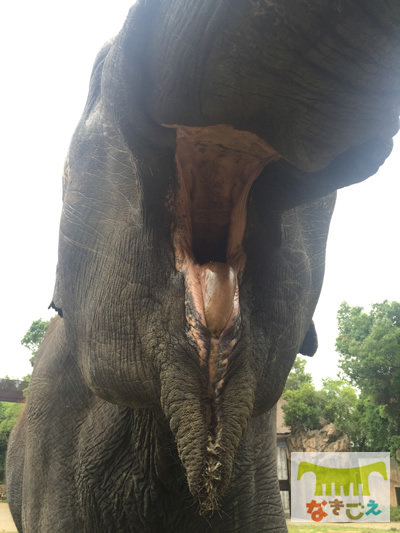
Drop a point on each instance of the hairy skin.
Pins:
(198, 192)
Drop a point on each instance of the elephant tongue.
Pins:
(219, 287)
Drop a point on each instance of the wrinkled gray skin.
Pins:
(127, 427)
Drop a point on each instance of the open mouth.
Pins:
(216, 167)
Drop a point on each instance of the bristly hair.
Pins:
(212, 476)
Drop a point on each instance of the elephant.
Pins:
(197, 196)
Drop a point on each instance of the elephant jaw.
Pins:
(216, 167)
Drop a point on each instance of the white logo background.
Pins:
(336, 507)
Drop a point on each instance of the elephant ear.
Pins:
(56, 302)
(93, 96)
(310, 342)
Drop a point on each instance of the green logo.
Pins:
(341, 477)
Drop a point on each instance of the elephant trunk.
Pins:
(207, 430)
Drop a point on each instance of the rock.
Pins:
(327, 439)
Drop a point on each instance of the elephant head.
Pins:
(198, 193)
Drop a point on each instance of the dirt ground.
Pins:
(6, 522)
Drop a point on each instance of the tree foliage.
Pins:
(303, 408)
(369, 348)
(9, 413)
(309, 408)
(298, 375)
(340, 403)
(34, 336)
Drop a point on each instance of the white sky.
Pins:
(48, 49)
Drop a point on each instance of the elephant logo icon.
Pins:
(342, 477)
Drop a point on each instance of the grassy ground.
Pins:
(328, 528)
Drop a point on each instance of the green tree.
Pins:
(369, 349)
(34, 336)
(303, 408)
(9, 413)
(335, 403)
(377, 431)
(308, 408)
(340, 406)
(298, 375)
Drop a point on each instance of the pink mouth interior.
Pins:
(217, 166)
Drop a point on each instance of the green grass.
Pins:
(395, 514)
(347, 527)
(327, 528)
